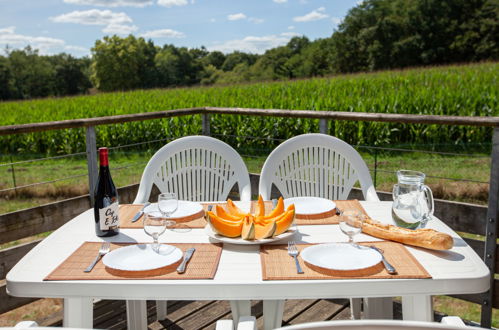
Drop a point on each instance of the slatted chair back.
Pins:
(316, 165)
(197, 168)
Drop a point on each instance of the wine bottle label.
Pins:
(109, 217)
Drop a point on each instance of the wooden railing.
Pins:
(461, 217)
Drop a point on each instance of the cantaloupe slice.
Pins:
(226, 216)
(278, 210)
(234, 210)
(285, 221)
(224, 227)
(265, 231)
(248, 230)
(260, 207)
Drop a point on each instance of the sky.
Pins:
(73, 26)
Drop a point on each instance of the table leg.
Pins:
(136, 314)
(378, 308)
(78, 313)
(272, 314)
(240, 308)
(417, 308)
(161, 310)
(355, 308)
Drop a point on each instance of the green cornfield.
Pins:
(462, 90)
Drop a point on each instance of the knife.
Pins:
(187, 257)
(139, 214)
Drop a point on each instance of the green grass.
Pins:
(466, 90)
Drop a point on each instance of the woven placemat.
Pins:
(203, 265)
(277, 264)
(328, 218)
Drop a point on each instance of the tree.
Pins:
(123, 63)
(70, 77)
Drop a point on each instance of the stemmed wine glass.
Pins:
(351, 223)
(168, 204)
(154, 226)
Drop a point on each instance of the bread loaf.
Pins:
(426, 238)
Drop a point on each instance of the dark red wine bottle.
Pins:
(106, 204)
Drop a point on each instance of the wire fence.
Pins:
(245, 152)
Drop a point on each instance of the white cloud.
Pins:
(213, 20)
(236, 17)
(164, 33)
(314, 15)
(251, 44)
(7, 30)
(119, 29)
(290, 34)
(111, 3)
(336, 20)
(116, 23)
(280, 1)
(44, 44)
(92, 17)
(171, 3)
(291, 27)
(255, 20)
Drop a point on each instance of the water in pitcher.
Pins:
(412, 200)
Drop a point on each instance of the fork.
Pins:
(293, 251)
(105, 247)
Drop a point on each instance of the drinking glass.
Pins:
(154, 226)
(351, 223)
(167, 205)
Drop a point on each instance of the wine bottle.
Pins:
(106, 200)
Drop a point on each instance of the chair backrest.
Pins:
(197, 168)
(316, 165)
(375, 325)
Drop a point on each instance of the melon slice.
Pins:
(226, 216)
(265, 231)
(285, 221)
(224, 227)
(234, 210)
(260, 207)
(248, 228)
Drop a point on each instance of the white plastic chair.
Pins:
(197, 168)
(324, 166)
(316, 165)
(447, 323)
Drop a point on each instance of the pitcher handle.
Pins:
(395, 191)
(429, 200)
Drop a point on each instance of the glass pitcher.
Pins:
(412, 200)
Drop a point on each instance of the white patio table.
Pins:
(239, 278)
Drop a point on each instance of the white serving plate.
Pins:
(209, 231)
(185, 209)
(140, 257)
(310, 205)
(340, 256)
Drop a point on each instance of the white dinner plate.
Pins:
(340, 256)
(310, 205)
(185, 209)
(139, 257)
(238, 240)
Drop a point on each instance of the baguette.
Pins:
(426, 238)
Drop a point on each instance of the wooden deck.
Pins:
(111, 314)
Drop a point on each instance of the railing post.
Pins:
(323, 126)
(91, 161)
(491, 230)
(206, 124)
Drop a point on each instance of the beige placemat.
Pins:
(329, 218)
(203, 265)
(277, 264)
